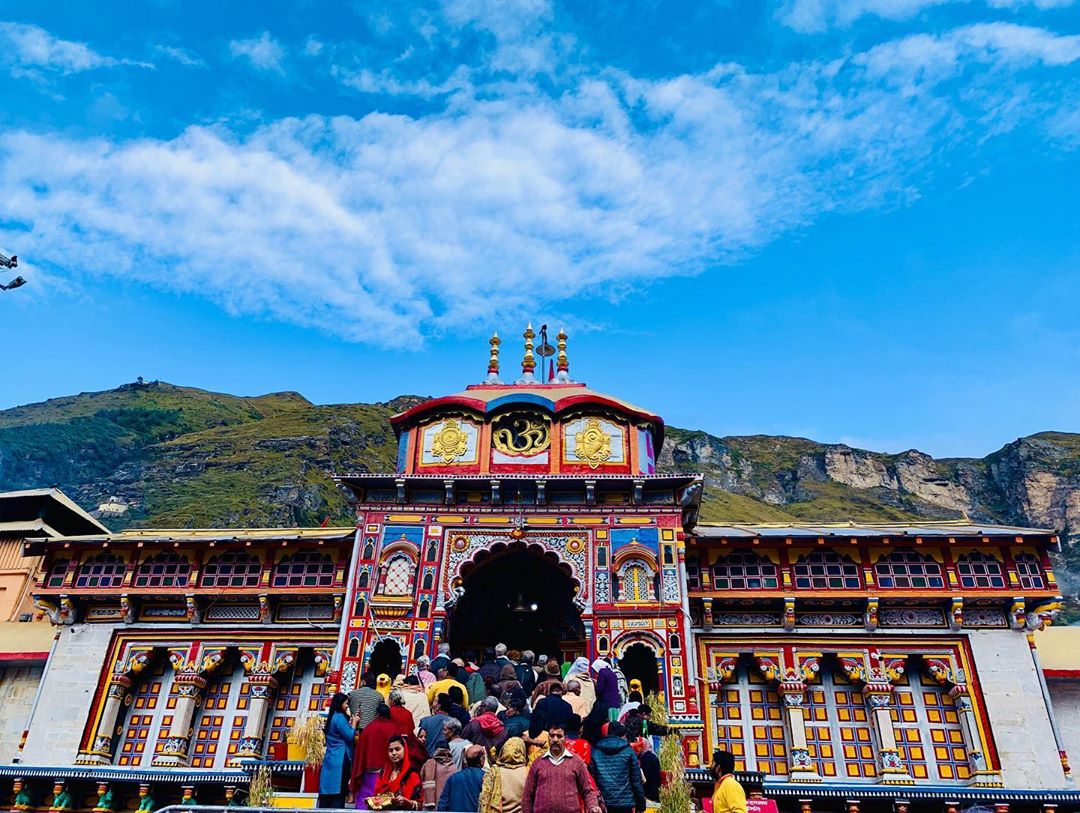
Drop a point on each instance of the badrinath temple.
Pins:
(847, 666)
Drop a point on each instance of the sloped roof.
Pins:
(47, 511)
(849, 529)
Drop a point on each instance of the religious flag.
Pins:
(551, 371)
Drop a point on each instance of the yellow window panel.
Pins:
(919, 772)
(778, 750)
(863, 734)
(849, 752)
(946, 772)
(963, 772)
(937, 735)
(956, 736)
(759, 732)
(844, 715)
(941, 754)
(736, 732)
(847, 735)
(852, 770)
(761, 750)
(757, 713)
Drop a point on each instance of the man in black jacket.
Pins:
(618, 772)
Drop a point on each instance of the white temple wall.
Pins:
(1018, 715)
(18, 685)
(67, 695)
(1065, 695)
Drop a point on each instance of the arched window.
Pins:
(418, 648)
(57, 573)
(397, 576)
(744, 570)
(429, 580)
(365, 579)
(674, 642)
(601, 556)
(1029, 569)
(425, 608)
(636, 581)
(369, 549)
(432, 551)
(907, 569)
(361, 606)
(232, 569)
(165, 569)
(305, 568)
(104, 570)
(978, 569)
(354, 647)
(826, 570)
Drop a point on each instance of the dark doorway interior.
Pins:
(639, 661)
(518, 597)
(385, 658)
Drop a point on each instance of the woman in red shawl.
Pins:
(399, 781)
(369, 756)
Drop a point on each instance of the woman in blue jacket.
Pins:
(337, 764)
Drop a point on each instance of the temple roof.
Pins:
(44, 512)
(487, 398)
(942, 529)
(170, 535)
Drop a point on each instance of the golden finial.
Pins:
(528, 364)
(562, 364)
(493, 360)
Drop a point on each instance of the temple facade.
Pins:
(880, 663)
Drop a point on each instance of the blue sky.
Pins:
(853, 220)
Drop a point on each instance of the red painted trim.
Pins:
(1073, 674)
(24, 656)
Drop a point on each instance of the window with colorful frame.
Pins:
(398, 576)
(978, 569)
(827, 570)
(104, 570)
(907, 569)
(165, 569)
(57, 572)
(305, 568)
(237, 568)
(744, 570)
(1030, 571)
(636, 581)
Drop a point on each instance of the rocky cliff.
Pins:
(179, 457)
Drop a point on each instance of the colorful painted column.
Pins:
(100, 751)
(260, 694)
(174, 751)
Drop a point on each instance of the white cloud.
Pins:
(391, 228)
(32, 47)
(811, 16)
(181, 55)
(263, 52)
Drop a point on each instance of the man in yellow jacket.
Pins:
(728, 795)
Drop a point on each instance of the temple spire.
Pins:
(562, 369)
(528, 363)
(493, 361)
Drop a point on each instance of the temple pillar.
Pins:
(879, 701)
(982, 775)
(800, 766)
(174, 752)
(260, 695)
(101, 743)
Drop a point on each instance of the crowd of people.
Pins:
(514, 734)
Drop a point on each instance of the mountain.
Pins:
(183, 457)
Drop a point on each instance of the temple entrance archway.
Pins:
(639, 661)
(520, 597)
(385, 658)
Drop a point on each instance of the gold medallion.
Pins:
(450, 442)
(592, 444)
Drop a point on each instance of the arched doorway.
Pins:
(639, 661)
(518, 596)
(385, 658)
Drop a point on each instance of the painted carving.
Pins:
(520, 434)
(592, 444)
(450, 442)
(956, 613)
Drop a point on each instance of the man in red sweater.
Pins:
(558, 782)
